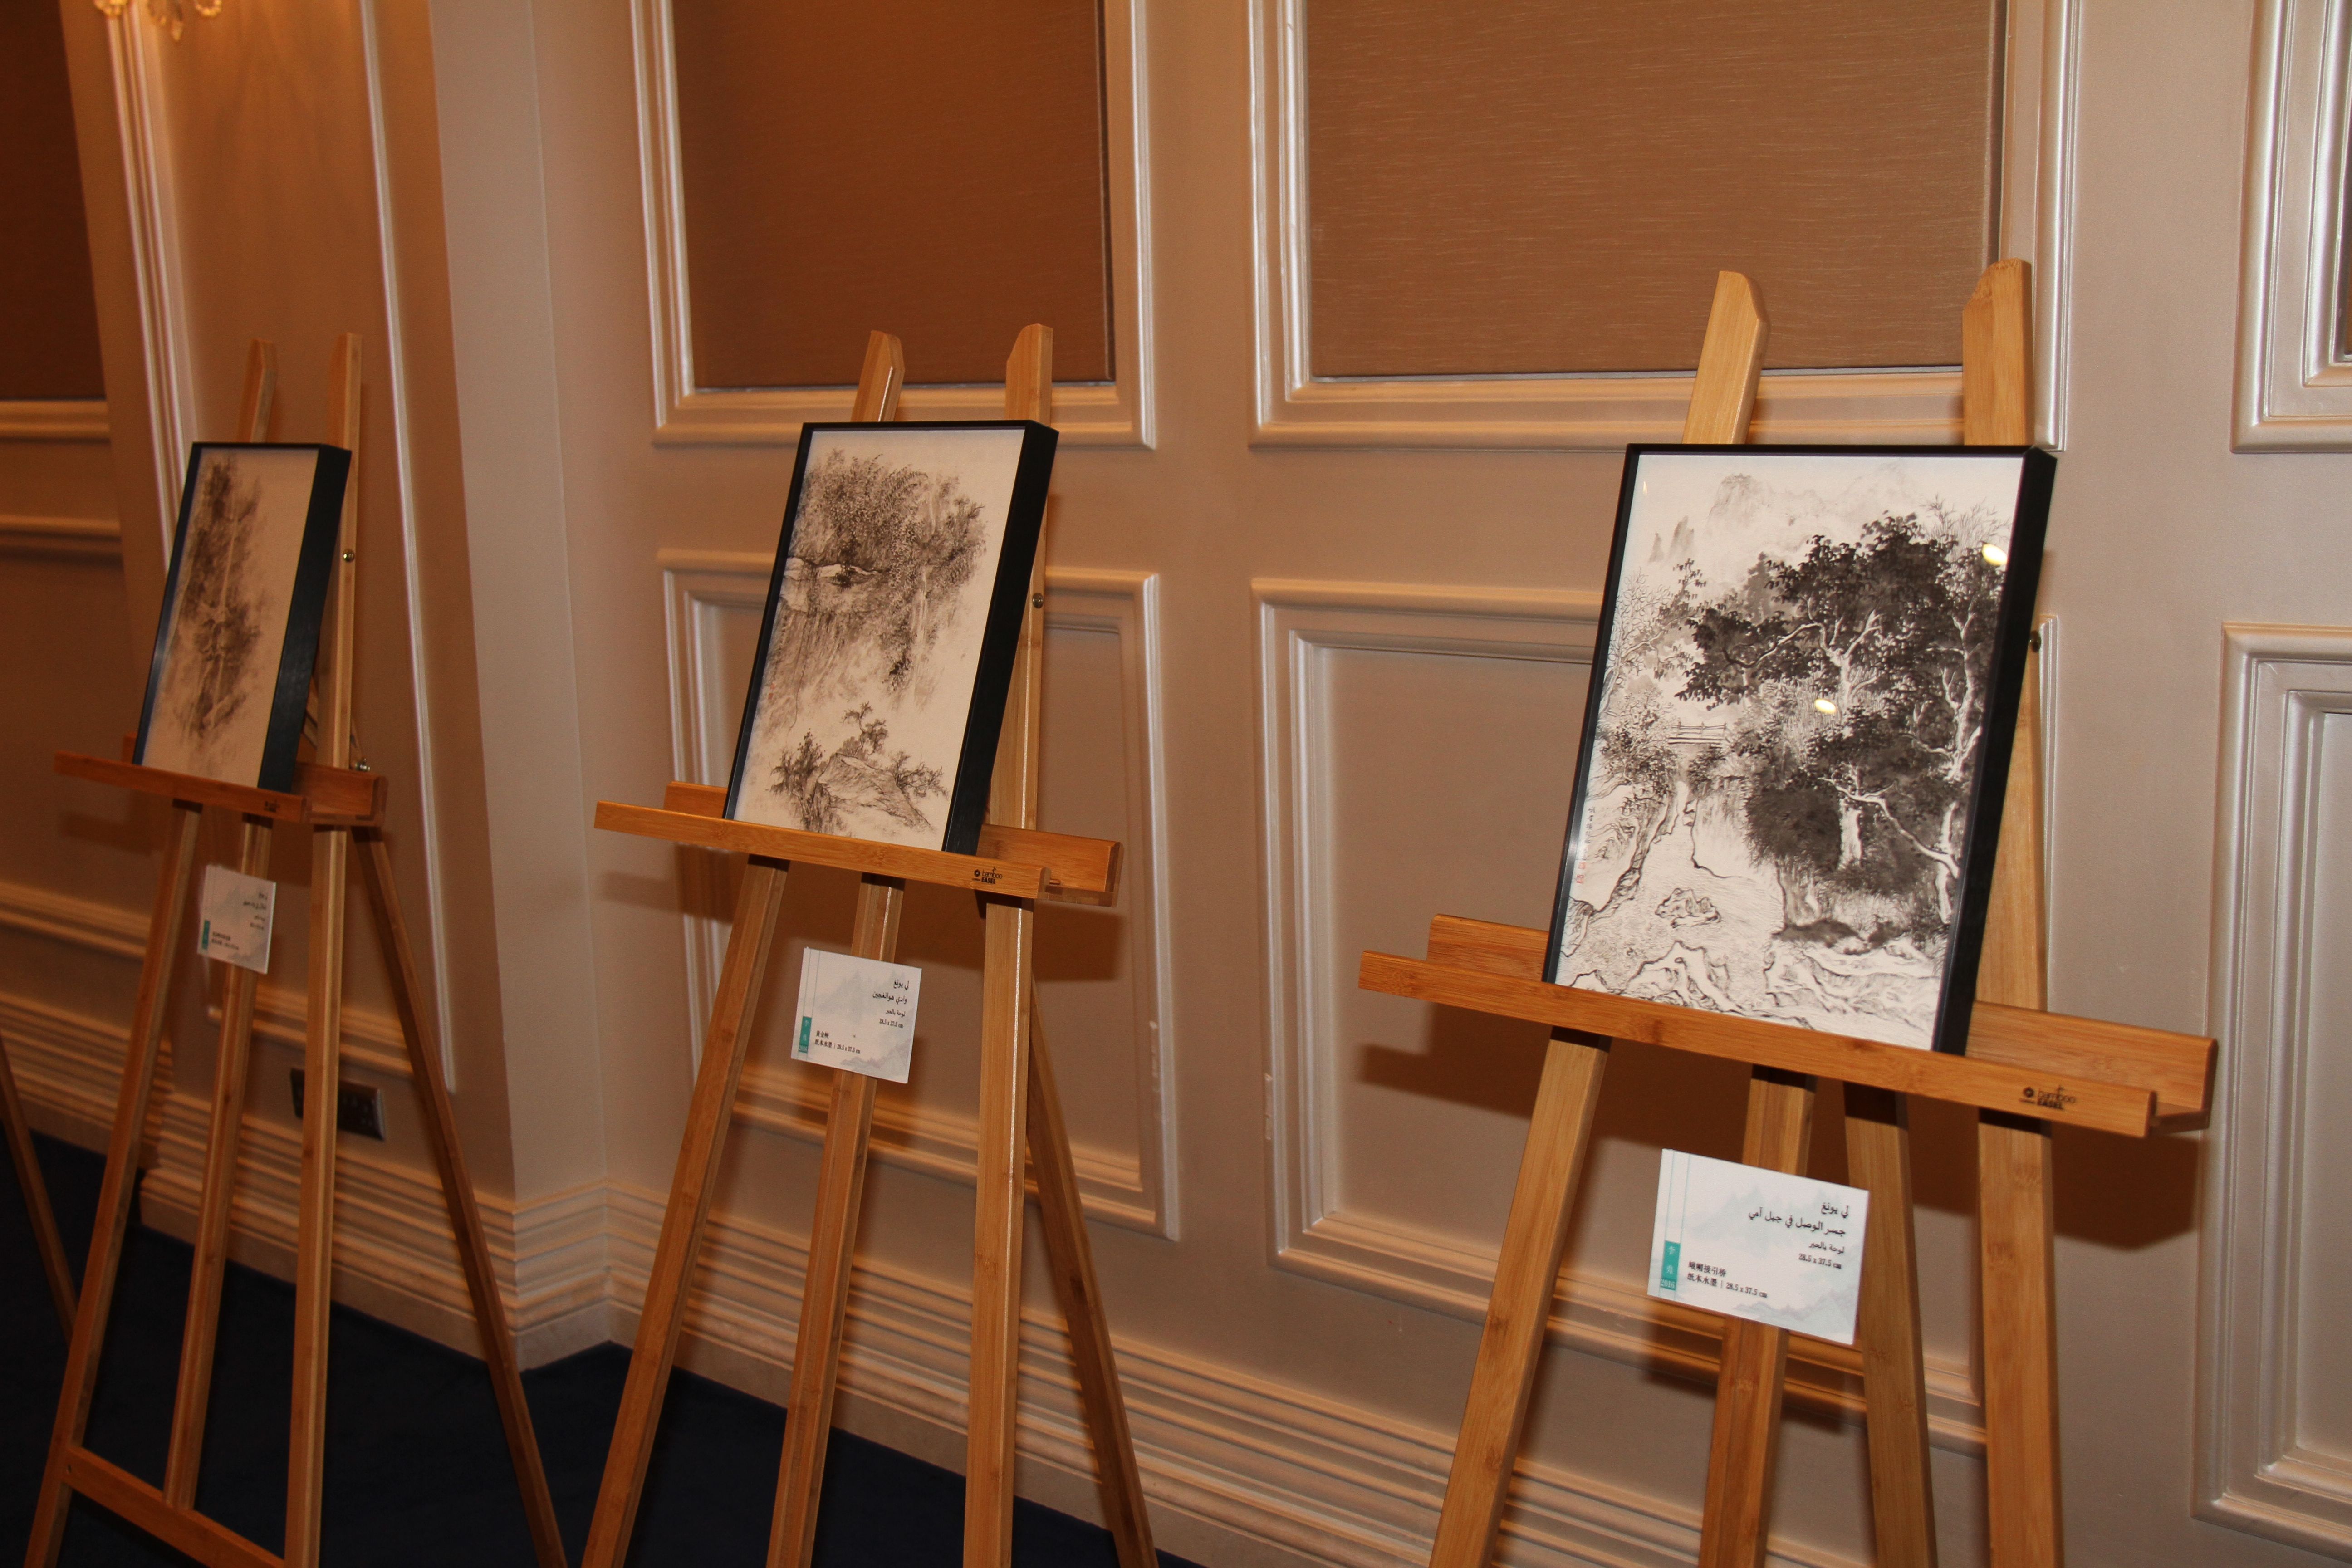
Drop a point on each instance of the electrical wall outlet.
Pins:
(358, 1108)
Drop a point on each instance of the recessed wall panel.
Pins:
(48, 315)
(929, 169)
(1551, 185)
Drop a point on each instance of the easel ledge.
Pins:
(1013, 862)
(322, 796)
(2114, 1077)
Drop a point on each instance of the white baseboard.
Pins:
(1243, 1472)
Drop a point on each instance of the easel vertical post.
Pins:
(1746, 1444)
(758, 903)
(1744, 1451)
(331, 849)
(2013, 1154)
(841, 1175)
(216, 1199)
(1894, 1383)
(1001, 1202)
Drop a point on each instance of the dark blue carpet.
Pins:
(416, 1465)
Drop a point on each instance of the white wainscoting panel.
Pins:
(1105, 982)
(1418, 744)
(2294, 382)
(2275, 1431)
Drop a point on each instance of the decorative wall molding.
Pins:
(154, 232)
(1295, 408)
(74, 538)
(702, 590)
(152, 187)
(1118, 413)
(2270, 1363)
(54, 419)
(2295, 381)
(1314, 1234)
(84, 924)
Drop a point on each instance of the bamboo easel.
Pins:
(1016, 865)
(2110, 1077)
(42, 1217)
(339, 804)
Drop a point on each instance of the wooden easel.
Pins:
(1016, 865)
(339, 804)
(43, 1218)
(2057, 1069)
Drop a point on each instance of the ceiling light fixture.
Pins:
(172, 13)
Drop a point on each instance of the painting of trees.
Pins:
(1789, 725)
(1862, 670)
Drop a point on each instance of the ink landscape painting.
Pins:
(235, 597)
(1804, 671)
(878, 664)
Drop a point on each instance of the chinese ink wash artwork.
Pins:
(1798, 735)
(892, 621)
(248, 586)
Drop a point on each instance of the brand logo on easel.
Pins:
(985, 874)
(2048, 1099)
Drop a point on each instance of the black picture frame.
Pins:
(1727, 638)
(271, 587)
(973, 750)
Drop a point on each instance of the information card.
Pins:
(1773, 1248)
(235, 911)
(857, 1014)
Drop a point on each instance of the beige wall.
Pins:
(1323, 691)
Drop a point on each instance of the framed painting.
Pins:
(885, 653)
(251, 558)
(1797, 737)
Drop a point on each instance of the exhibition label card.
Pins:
(235, 910)
(857, 1013)
(1773, 1248)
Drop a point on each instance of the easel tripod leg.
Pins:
(1527, 1276)
(165, 922)
(1071, 1257)
(1001, 1210)
(457, 1193)
(1878, 1156)
(210, 1263)
(833, 1241)
(2021, 1395)
(1744, 1451)
(314, 1242)
(37, 1212)
(757, 905)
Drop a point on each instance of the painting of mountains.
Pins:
(891, 624)
(248, 584)
(1798, 733)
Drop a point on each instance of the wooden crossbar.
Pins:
(784, 845)
(1994, 1086)
(1077, 870)
(1020, 1113)
(322, 796)
(343, 806)
(2177, 1070)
